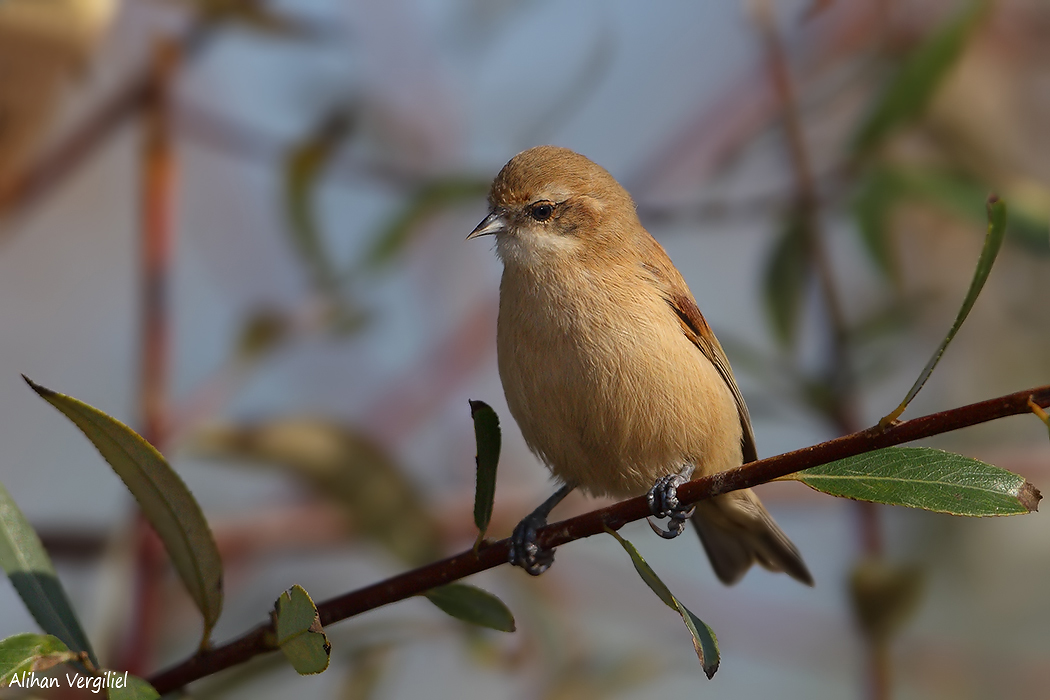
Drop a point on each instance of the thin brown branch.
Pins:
(493, 554)
(157, 226)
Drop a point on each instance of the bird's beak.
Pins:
(492, 224)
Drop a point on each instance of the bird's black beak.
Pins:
(492, 224)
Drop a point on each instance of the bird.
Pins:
(611, 372)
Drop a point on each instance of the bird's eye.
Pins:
(542, 211)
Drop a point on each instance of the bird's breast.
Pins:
(604, 385)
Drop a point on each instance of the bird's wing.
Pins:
(674, 290)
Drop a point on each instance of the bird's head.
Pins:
(550, 203)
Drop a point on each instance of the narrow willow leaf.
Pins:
(705, 643)
(908, 93)
(922, 477)
(786, 277)
(473, 605)
(299, 632)
(163, 497)
(303, 169)
(992, 242)
(872, 206)
(25, 654)
(26, 563)
(488, 438)
(135, 688)
(428, 200)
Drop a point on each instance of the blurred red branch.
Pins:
(260, 639)
(157, 223)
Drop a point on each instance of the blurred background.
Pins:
(300, 176)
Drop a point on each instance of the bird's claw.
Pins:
(525, 551)
(663, 503)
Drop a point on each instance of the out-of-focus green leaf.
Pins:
(26, 563)
(884, 597)
(342, 464)
(303, 169)
(992, 242)
(262, 331)
(30, 653)
(878, 195)
(256, 16)
(907, 94)
(163, 497)
(426, 201)
(299, 632)
(704, 641)
(787, 275)
(135, 689)
(473, 605)
(366, 670)
(922, 477)
(488, 438)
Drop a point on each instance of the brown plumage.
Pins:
(609, 368)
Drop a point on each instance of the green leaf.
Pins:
(922, 477)
(787, 274)
(31, 653)
(163, 497)
(907, 94)
(303, 169)
(872, 206)
(425, 202)
(488, 438)
(705, 643)
(299, 632)
(473, 605)
(992, 242)
(884, 597)
(26, 563)
(135, 689)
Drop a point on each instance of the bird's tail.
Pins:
(736, 531)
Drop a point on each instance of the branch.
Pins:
(260, 639)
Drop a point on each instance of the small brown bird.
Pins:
(610, 370)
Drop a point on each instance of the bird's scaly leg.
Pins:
(663, 503)
(524, 550)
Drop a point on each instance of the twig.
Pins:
(260, 639)
(843, 411)
(157, 223)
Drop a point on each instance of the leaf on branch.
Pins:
(163, 497)
(884, 597)
(488, 438)
(473, 605)
(424, 203)
(704, 641)
(922, 477)
(304, 167)
(786, 278)
(136, 689)
(299, 632)
(993, 241)
(910, 91)
(31, 653)
(27, 565)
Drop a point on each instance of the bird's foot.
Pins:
(663, 503)
(525, 551)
